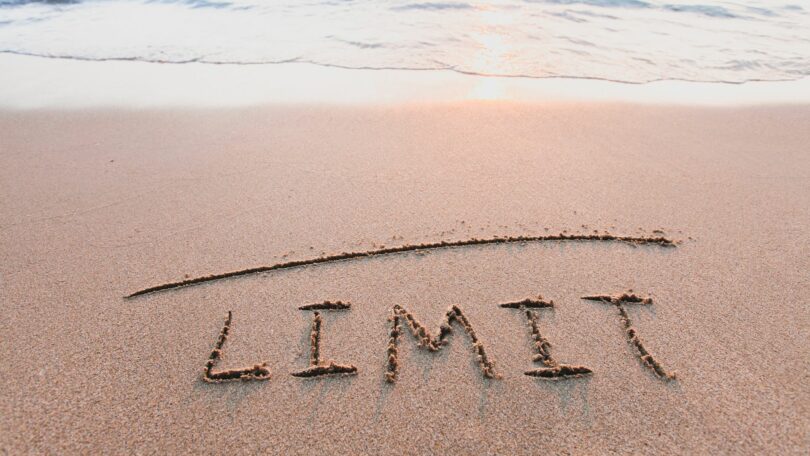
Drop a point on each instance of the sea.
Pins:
(628, 41)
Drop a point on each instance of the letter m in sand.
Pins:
(433, 343)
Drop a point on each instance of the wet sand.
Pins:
(96, 205)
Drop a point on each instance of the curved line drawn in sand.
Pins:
(256, 372)
(644, 355)
(348, 256)
(316, 367)
(430, 343)
(552, 370)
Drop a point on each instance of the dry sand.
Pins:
(95, 205)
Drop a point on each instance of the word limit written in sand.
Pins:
(402, 322)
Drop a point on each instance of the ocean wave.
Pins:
(433, 6)
(633, 41)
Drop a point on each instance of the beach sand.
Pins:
(98, 204)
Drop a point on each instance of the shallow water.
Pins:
(620, 40)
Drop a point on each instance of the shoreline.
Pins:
(30, 82)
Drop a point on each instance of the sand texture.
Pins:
(447, 345)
